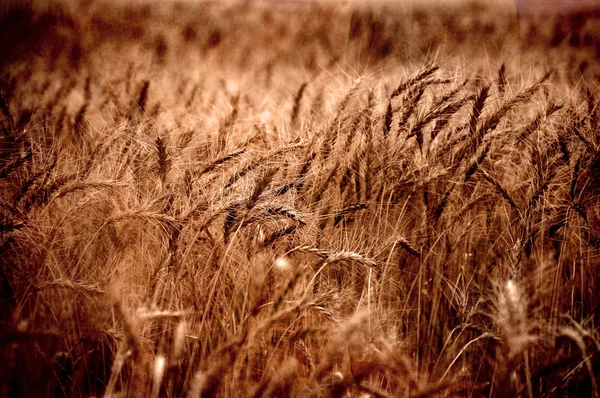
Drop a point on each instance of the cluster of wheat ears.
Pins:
(326, 209)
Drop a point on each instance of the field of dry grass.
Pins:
(301, 199)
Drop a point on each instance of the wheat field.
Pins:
(298, 199)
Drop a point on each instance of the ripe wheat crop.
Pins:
(302, 199)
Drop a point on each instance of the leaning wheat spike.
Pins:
(433, 82)
(387, 124)
(333, 129)
(345, 180)
(312, 250)
(357, 177)
(186, 138)
(269, 240)
(552, 108)
(351, 256)
(248, 167)
(223, 159)
(411, 106)
(301, 348)
(188, 183)
(286, 212)
(452, 143)
(230, 220)
(425, 73)
(442, 110)
(15, 164)
(228, 124)
(362, 124)
(87, 168)
(163, 161)
(468, 206)
(348, 97)
(341, 214)
(501, 190)
(320, 190)
(353, 130)
(441, 123)
(324, 220)
(310, 157)
(194, 211)
(251, 165)
(520, 98)
(73, 285)
(438, 210)
(445, 98)
(476, 134)
(333, 257)
(260, 185)
(330, 136)
(297, 103)
(281, 190)
(574, 178)
(369, 119)
(563, 147)
(76, 186)
(405, 244)
(26, 186)
(543, 187)
(173, 246)
(475, 164)
(531, 127)
(368, 169)
(47, 191)
(575, 128)
(478, 106)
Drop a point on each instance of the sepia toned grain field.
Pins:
(305, 199)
